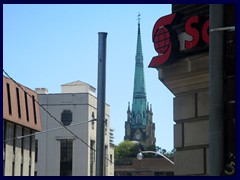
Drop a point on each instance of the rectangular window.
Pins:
(106, 160)
(14, 140)
(36, 150)
(13, 168)
(34, 109)
(22, 145)
(92, 156)
(66, 157)
(26, 105)
(30, 169)
(9, 99)
(18, 103)
(21, 170)
(30, 144)
(22, 150)
(111, 158)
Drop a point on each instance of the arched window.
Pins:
(66, 117)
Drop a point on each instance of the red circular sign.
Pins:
(162, 40)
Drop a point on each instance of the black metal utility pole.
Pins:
(216, 93)
(101, 86)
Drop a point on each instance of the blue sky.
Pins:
(50, 45)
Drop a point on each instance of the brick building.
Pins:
(21, 117)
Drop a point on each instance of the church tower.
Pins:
(139, 125)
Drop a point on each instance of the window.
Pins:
(30, 144)
(34, 109)
(14, 140)
(105, 126)
(23, 141)
(66, 117)
(9, 99)
(93, 117)
(26, 105)
(66, 157)
(21, 170)
(29, 170)
(13, 168)
(111, 158)
(18, 103)
(92, 156)
(106, 161)
(36, 150)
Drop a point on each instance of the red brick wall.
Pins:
(14, 116)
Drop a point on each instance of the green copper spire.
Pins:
(139, 126)
(139, 93)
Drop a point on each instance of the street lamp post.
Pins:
(140, 155)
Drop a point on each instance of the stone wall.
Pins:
(187, 78)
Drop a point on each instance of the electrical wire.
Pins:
(47, 111)
(49, 130)
(66, 128)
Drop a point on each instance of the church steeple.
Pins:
(139, 93)
(139, 126)
(139, 83)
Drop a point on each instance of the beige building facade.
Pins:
(61, 153)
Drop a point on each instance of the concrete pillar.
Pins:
(9, 150)
(18, 152)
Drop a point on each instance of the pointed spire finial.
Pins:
(139, 17)
(128, 106)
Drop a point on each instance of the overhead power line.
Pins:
(62, 126)
(49, 130)
(47, 111)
